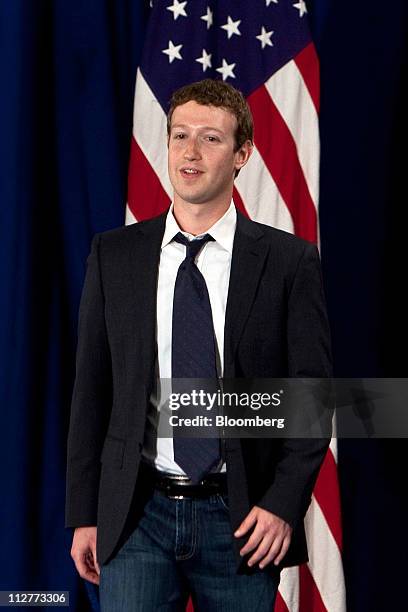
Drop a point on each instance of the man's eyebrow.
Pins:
(204, 127)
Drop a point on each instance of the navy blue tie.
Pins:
(193, 354)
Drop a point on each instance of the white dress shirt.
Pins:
(214, 262)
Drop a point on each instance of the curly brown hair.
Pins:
(211, 92)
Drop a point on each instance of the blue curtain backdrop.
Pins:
(67, 72)
(363, 54)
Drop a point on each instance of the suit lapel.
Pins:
(144, 266)
(248, 257)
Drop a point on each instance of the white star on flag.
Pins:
(231, 27)
(269, 1)
(177, 8)
(205, 60)
(226, 70)
(265, 38)
(173, 51)
(208, 18)
(301, 6)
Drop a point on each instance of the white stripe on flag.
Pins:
(261, 196)
(333, 441)
(129, 218)
(150, 132)
(292, 99)
(289, 588)
(325, 562)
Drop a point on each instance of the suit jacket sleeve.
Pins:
(91, 399)
(309, 355)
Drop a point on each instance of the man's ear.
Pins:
(243, 154)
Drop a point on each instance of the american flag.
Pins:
(264, 48)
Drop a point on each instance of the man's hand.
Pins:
(270, 538)
(83, 552)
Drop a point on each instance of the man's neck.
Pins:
(198, 218)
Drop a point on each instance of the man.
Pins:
(200, 292)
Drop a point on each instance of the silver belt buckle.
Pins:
(176, 496)
(179, 480)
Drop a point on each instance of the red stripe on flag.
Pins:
(309, 595)
(308, 64)
(278, 149)
(146, 196)
(239, 202)
(190, 606)
(280, 605)
(326, 492)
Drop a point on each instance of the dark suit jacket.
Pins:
(276, 326)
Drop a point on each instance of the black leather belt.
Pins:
(177, 486)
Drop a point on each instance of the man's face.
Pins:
(201, 156)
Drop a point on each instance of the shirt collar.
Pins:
(222, 231)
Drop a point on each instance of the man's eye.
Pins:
(178, 136)
(212, 138)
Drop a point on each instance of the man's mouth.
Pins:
(190, 172)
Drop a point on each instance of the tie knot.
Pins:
(193, 246)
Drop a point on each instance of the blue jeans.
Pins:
(183, 547)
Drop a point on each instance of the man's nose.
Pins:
(192, 150)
